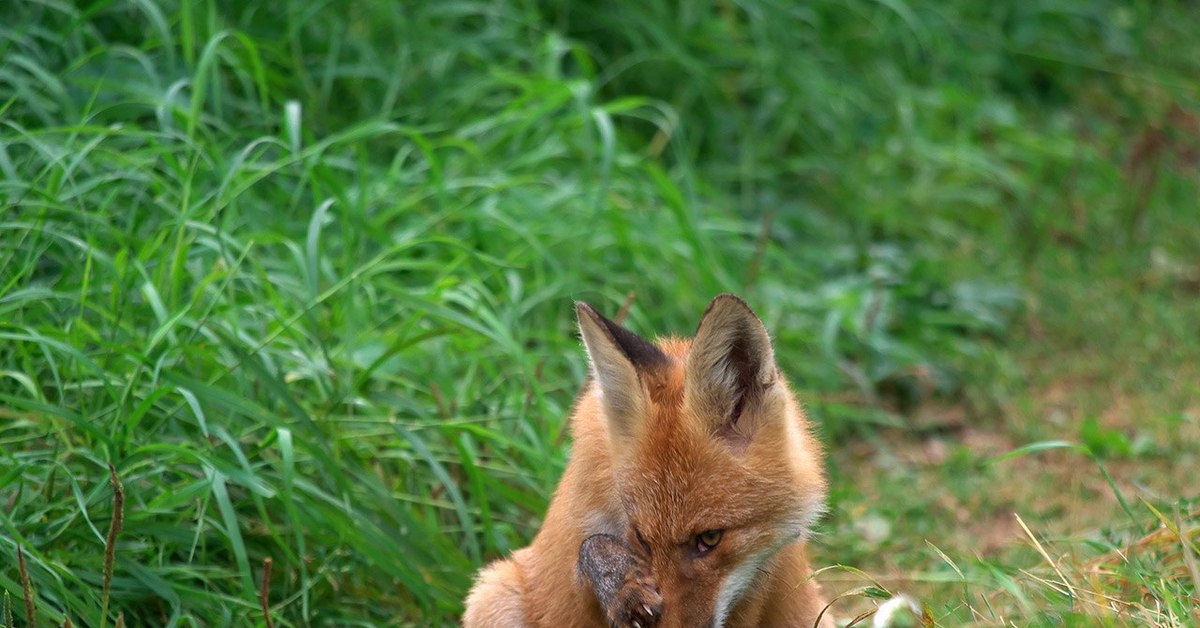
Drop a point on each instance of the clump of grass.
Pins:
(1145, 581)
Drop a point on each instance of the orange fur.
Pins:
(672, 470)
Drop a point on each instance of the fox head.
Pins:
(712, 459)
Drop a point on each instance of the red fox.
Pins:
(692, 486)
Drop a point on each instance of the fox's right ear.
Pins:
(730, 367)
(617, 357)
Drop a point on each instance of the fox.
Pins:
(691, 490)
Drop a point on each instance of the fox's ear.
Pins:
(617, 358)
(730, 366)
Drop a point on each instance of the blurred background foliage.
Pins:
(302, 271)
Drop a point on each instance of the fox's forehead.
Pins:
(678, 487)
(681, 478)
(668, 490)
(664, 383)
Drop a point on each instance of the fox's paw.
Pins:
(637, 604)
(621, 579)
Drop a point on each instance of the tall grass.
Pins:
(301, 271)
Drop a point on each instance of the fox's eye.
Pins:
(707, 540)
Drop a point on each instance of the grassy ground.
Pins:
(1100, 403)
(301, 273)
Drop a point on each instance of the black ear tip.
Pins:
(583, 309)
(641, 353)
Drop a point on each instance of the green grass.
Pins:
(302, 273)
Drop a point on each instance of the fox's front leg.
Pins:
(622, 582)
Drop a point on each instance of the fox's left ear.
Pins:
(618, 359)
(729, 368)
